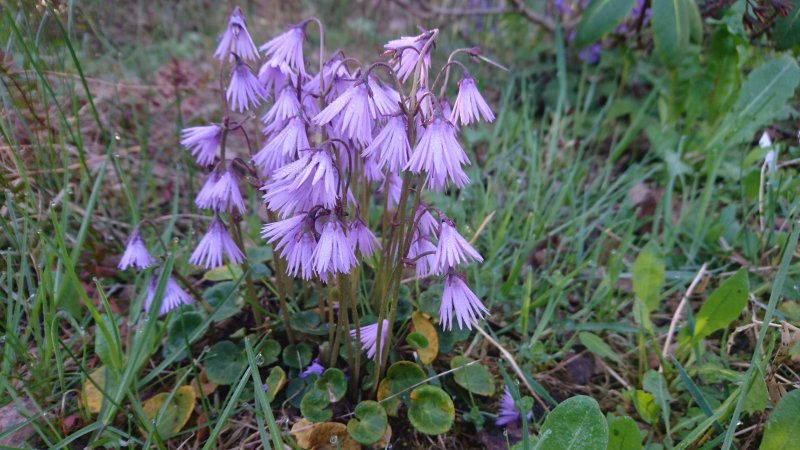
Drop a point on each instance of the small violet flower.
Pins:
(333, 253)
(174, 296)
(213, 245)
(353, 109)
(285, 106)
(405, 58)
(221, 193)
(507, 413)
(236, 40)
(390, 146)
(362, 239)
(369, 339)
(315, 367)
(136, 254)
(244, 91)
(203, 142)
(459, 298)
(295, 243)
(469, 104)
(287, 48)
(283, 147)
(440, 155)
(453, 249)
(310, 180)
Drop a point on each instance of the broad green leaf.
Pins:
(723, 306)
(403, 375)
(646, 406)
(474, 378)
(370, 423)
(599, 18)
(93, 398)
(786, 31)
(575, 424)
(417, 341)
(597, 345)
(756, 398)
(175, 414)
(225, 363)
(695, 21)
(671, 29)
(297, 356)
(780, 433)
(275, 382)
(392, 405)
(224, 298)
(623, 434)
(431, 410)
(763, 98)
(334, 383)
(656, 384)
(648, 275)
(269, 351)
(179, 330)
(314, 406)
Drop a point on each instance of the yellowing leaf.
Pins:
(92, 396)
(424, 327)
(175, 414)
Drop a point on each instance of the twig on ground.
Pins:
(678, 311)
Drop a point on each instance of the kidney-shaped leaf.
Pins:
(334, 383)
(225, 363)
(370, 423)
(175, 413)
(432, 411)
(473, 377)
(575, 424)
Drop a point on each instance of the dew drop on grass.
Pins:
(116, 136)
(260, 359)
(334, 439)
(175, 240)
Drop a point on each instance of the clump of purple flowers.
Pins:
(349, 151)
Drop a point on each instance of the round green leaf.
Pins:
(781, 429)
(334, 383)
(417, 340)
(575, 424)
(169, 418)
(402, 375)
(269, 351)
(224, 296)
(179, 330)
(599, 18)
(623, 434)
(297, 356)
(314, 406)
(474, 377)
(308, 322)
(224, 363)
(370, 423)
(431, 411)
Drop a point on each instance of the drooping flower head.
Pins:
(406, 51)
(423, 253)
(236, 39)
(507, 412)
(288, 48)
(221, 193)
(384, 101)
(314, 368)
(333, 253)
(285, 107)
(390, 147)
(426, 224)
(369, 339)
(275, 75)
(296, 242)
(309, 181)
(244, 90)
(214, 244)
(440, 155)
(458, 298)
(362, 239)
(453, 249)
(353, 110)
(283, 147)
(174, 296)
(136, 254)
(470, 105)
(203, 142)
